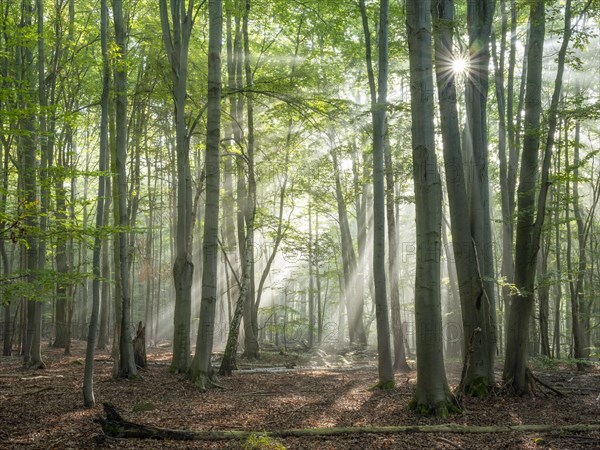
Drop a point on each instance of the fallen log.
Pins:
(115, 426)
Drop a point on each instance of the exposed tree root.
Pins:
(115, 426)
(547, 386)
(532, 386)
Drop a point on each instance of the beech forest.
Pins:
(300, 224)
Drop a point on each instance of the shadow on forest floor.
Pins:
(43, 409)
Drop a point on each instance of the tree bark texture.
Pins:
(201, 370)
(432, 395)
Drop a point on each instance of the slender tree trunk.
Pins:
(201, 369)
(529, 231)
(543, 298)
(320, 306)
(557, 241)
(127, 367)
(378, 116)
(88, 376)
(251, 347)
(8, 324)
(106, 272)
(176, 36)
(581, 347)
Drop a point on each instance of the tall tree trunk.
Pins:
(515, 366)
(556, 191)
(311, 284)
(529, 231)
(8, 325)
(32, 349)
(62, 264)
(88, 376)
(432, 394)
(506, 147)
(127, 367)
(581, 348)
(481, 309)
(378, 117)
(176, 36)
(251, 347)
(476, 378)
(201, 369)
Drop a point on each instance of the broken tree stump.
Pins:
(139, 347)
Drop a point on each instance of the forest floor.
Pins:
(44, 409)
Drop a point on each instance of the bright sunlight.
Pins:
(460, 65)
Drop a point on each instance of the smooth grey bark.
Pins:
(149, 251)
(200, 369)
(32, 355)
(4, 160)
(126, 367)
(311, 281)
(515, 365)
(580, 349)
(88, 375)
(556, 192)
(237, 290)
(61, 257)
(8, 325)
(64, 303)
(320, 305)
(481, 308)
(432, 394)
(82, 304)
(106, 272)
(176, 36)
(506, 147)
(251, 347)
(477, 375)
(45, 135)
(378, 117)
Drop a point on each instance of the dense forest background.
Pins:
(292, 171)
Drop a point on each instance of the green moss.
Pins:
(383, 386)
(441, 409)
(478, 388)
(262, 442)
